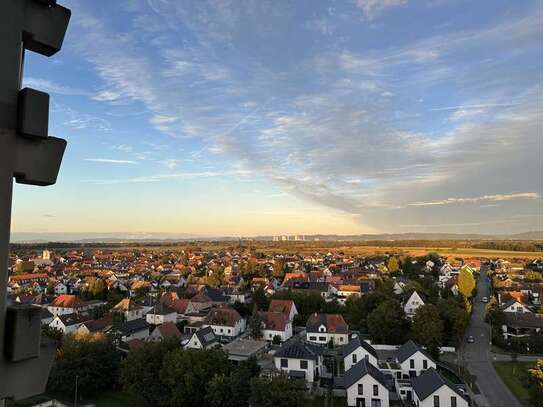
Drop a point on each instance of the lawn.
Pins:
(512, 374)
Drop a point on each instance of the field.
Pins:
(512, 373)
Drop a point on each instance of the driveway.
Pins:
(477, 356)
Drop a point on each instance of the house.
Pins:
(325, 328)
(129, 309)
(68, 323)
(60, 288)
(356, 350)
(300, 360)
(412, 304)
(159, 314)
(166, 330)
(514, 305)
(225, 322)
(96, 326)
(366, 386)
(66, 304)
(431, 389)
(521, 324)
(46, 316)
(413, 360)
(202, 339)
(134, 329)
(275, 324)
(286, 307)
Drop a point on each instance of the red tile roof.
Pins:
(67, 300)
(275, 321)
(283, 306)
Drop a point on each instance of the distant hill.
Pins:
(119, 237)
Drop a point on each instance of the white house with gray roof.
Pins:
(413, 359)
(202, 339)
(366, 386)
(431, 389)
(413, 304)
(300, 360)
(356, 350)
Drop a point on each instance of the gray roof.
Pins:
(136, 325)
(299, 350)
(206, 336)
(161, 309)
(360, 370)
(429, 382)
(356, 343)
(408, 349)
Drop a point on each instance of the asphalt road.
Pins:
(478, 358)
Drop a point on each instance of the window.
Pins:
(354, 358)
(312, 338)
(341, 338)
(284, 362)
(375, 403)
(411, 363)
(436, 401)
(303, 364)
(375, 390)
(322, 338)
(360, 388)
(453, 401)
(425, 364)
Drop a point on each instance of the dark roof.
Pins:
(161, 309)
(354, 344)
(73, 319)
(136, 325)
(429, 382)
(206, 336)
(361, 369)
(408, 349)
(215, 295)
(523, 320)
(299, 350)
(45, 313)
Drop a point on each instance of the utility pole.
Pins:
(31, 157)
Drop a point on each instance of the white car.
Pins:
(485, 300)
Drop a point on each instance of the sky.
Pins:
(264, 117)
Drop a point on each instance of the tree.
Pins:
(393, 264)
(387, 323)
(184, 371)
(452, 312)
(427, 328)
(93, 359)
(466, 283)
(536, 389)
(260, 299)
(255, 324)
(277, 391)
(141, 369)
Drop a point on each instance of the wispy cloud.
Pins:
(109, 161)
(49, 86)
(487, 198)
(372, 8)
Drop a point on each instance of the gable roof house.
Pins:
(286, 307)
(300, 360)
(66, 304)
(356, 350)
(202, 339)
(159, 314)
(275, 324)
(134, 329)
(129, 309)
(413, 360)
(68, 323)
(366, 386)
(323, 328)
(225, 322)
(515, 305)
(431, 389)
(96, 326)
(412, 304)
(166, 330)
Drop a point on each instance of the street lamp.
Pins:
(31, 157)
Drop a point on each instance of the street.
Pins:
(478, 358)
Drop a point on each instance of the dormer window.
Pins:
(322, 328)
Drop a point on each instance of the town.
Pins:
(240, 326)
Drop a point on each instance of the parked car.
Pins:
(485, 299)
(471, 339)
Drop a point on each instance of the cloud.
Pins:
(48, 86)
(109, 161)
(373, 8)
(488, 198)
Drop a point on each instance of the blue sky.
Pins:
(248, 117)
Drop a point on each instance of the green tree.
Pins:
(387, 323)
(93, 359)
(141, 369)
(427, 328)
(277, 391)
(260, 299)
(255, 324)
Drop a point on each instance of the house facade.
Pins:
(324, 328)
(300, 360)
(366, 386)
